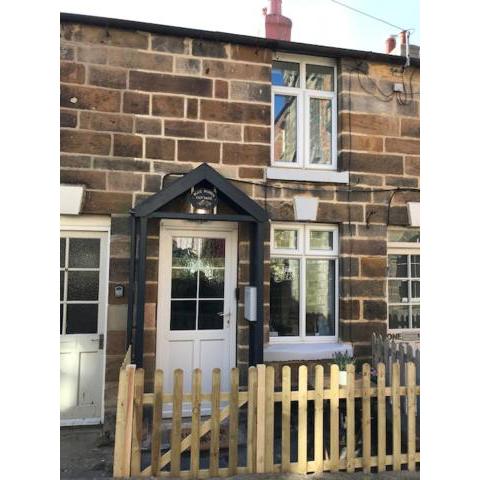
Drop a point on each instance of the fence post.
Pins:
(286, 415)
(366, 418)
(176, 433)
(157, 420)
(302, 418)
(334, 418)
(381, 414)
(318, 437)
(124, 422)
(396, 417)
(137, 423)
(350, 418)
(411, 401)
(260, 418)
(252, 419)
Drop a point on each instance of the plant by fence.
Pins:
(307, 423)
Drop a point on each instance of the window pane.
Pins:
(62, 252)
(404, 235)
(398, 316)
(397, 266)
(319, 77)
(210, 315)
(415, 290)
(62, 283)
(212, 251)
(286, 239)
(284, 297)
(82, 318)
(184, 283)
(416, 316)
(285, 128)
(415, 266)
(211, 283)
(82, 286)
(286, 74)
(320, 131)
(84, 253)
(61, 318)
(398, 291)
(182, 315)
(320, 301)
(184, 252)
(321, 240)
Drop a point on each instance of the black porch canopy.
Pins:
(236, 207)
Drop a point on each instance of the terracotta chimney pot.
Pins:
(276, 25)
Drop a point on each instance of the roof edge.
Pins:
(276, 45)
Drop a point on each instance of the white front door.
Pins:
(196, 315)
(83, 262)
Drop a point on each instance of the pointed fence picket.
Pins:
(308, 422)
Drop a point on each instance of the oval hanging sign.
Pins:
(203, 198)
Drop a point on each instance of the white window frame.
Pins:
(303, 122)
(303, 253)
(402, 248)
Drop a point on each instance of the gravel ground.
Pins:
(84, 454)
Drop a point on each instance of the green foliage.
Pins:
(342, 359)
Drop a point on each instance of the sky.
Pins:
(320, 22)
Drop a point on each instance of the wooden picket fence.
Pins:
(315, 433)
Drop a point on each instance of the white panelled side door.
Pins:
(83, 282)
(196, 314)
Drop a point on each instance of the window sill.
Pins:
(307, 175)
(279, 352)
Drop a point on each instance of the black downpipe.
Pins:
(142, 253)
(131, 280)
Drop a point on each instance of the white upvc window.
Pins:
(403, 280)
(303, 283)
(304, 113)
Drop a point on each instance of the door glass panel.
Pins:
(82, 318)
(212, 252)
(320, 131)
(284, 297)
(285, 128)
(398, 291)
(320, 293)
(397, 266)
(184, 252)
(286, 74)
(62, 282)
(82, 285)
(210, 315)
(321, 240)
(320, 78)
(415, 266)
(200, 278)
(398, 316)
(415, 290)
(184, 283)
(211, 283)
(286, 239)
(416, 316)
(62, 252)
(84, 253)
(182, 315)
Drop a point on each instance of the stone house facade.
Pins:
(142, 105)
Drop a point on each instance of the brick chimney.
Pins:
(276, 25)
(390, 44)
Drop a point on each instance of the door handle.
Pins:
(100, 340)
(225, 315)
